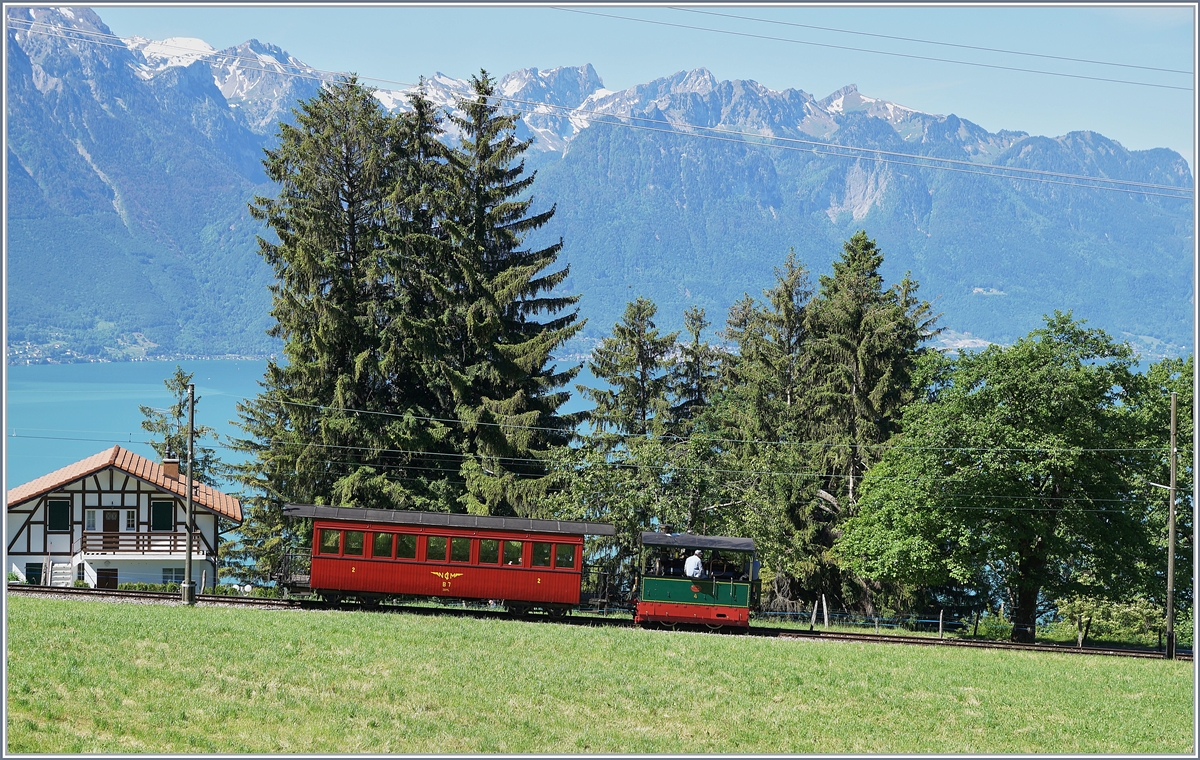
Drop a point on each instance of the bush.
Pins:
(1137, 621)
(80, 584)
(168, 587)
(13, 577)
(995, 627)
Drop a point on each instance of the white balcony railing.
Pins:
(137, 543)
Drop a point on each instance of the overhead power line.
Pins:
(932, 42)
(874, 52)
(307, 465)
(833, 150)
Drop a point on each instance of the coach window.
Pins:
(382, 545)
(489, 551)
(354, 543)
(541, 554)
(435, 549)
(512, 552)
(460, 550)
(406, 546)
(58, 517)
(564, 555)
(331, 541)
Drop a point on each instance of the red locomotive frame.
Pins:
(488, 559)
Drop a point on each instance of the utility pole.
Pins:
(189, 585)
(1170, 652)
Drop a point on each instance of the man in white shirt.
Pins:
(693, 568)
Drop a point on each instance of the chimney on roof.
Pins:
(170, 468)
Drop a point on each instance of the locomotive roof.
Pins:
(442, 519)
(693, 541)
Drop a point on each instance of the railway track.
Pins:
(584, 619)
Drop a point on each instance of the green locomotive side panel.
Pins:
(696, 591)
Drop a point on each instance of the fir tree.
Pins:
(168, 430)
(634, 361)
(326, 425)
(694, 376)
(866, 340)
(498, 356)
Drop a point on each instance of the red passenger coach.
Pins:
(372, 553)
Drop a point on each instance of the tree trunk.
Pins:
(1024, 613)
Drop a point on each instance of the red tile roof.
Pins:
(137, 466)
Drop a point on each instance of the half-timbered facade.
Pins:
(114, 517)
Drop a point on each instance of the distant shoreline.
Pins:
(36, 360)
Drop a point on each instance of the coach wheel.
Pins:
(558, 613)
(369, 603)
(518, 610)
(332, 600)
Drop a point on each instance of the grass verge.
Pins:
(87, 676)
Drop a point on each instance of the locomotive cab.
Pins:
(720, 590)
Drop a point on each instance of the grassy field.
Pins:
(100, 677)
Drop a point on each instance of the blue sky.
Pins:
(402, 43)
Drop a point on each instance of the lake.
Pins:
(57, 414)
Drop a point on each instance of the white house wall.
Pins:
(112, 489)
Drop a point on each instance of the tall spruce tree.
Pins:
(694, 375)
(498, 361)
(328, 427)
(865, 343)
(634, 362)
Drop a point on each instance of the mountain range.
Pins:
(131, 163)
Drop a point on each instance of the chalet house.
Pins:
(114, 517)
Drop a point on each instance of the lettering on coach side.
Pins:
(446, 578)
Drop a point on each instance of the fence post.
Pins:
(976, 631)
(825, 610)
(876, 624)
(1079, 630)
(941, 613)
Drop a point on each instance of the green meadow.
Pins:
(87, 676)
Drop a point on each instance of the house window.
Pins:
(130, 520)
(162, 515)
(89, 520)
(79, 572)
(173, 575)
(58, 515)
(33, 573)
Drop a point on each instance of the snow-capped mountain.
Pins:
(130, 166)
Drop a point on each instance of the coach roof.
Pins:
(693, 541)
(442, 519)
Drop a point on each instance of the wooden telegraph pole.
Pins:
(1170, 651)
(189, 585)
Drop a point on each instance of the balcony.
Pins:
(138, 543)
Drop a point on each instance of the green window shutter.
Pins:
(58, 515)
(162, 515)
